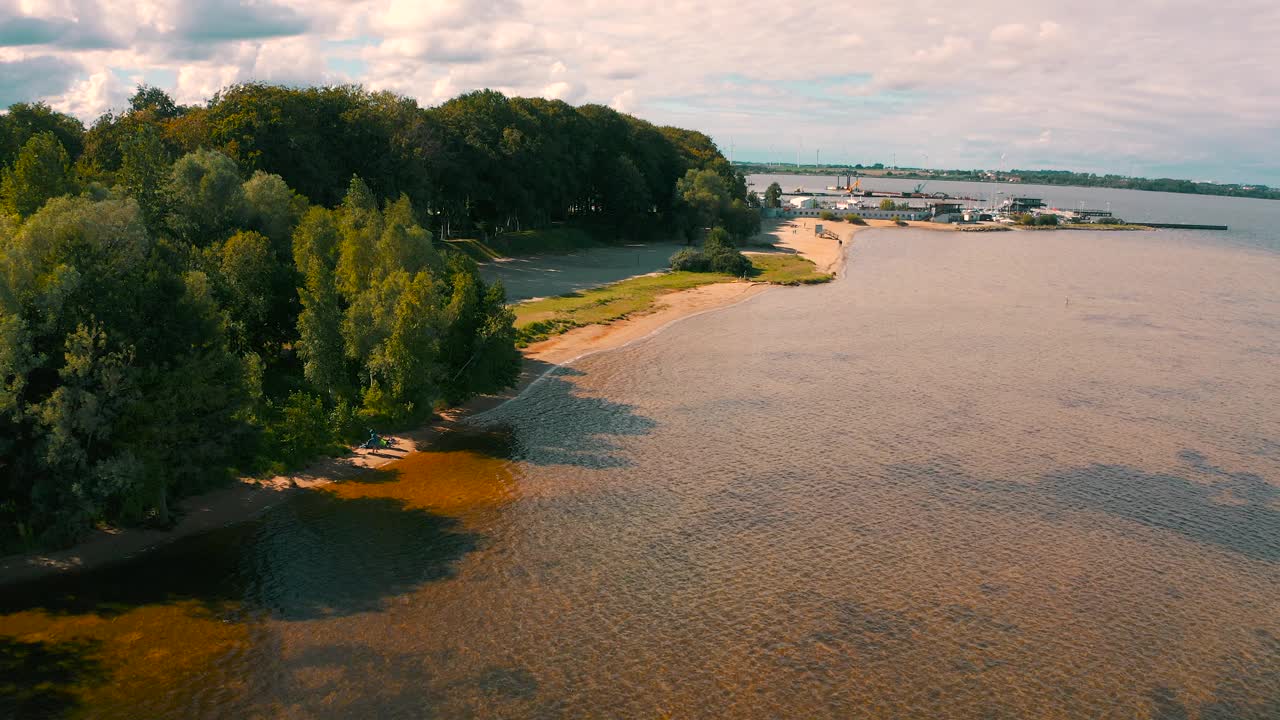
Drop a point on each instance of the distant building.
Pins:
(946, 211)
(1023, 205)
(869, 213)
(803, 202)
(1092, 215)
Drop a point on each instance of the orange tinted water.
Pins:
(1010, 475)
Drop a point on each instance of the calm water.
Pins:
(1007, 475)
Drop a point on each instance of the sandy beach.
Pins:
(249, 497)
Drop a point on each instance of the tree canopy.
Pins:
(191, 292)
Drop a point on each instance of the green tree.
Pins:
(272, 209)
(208, 196)
(24, 121)
(41, 172)
(703, 194)
(626, 198)
(257, 292)
(320, 342)
(144, 175)
(118, 386)
(299, 429)
(887, 204)
(360, 224)
(153, 101)
(478, 347)
(773, 196)
(741, 220)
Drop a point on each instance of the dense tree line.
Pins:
(187, 293)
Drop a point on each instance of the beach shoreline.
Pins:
(247, 498)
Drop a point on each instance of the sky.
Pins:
(1138, 87)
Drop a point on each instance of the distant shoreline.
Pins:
(1234, 190)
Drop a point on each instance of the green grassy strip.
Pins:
(537, 320)
(540, 319)
(786, 269)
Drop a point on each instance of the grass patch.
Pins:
(540, 319)
(786, 269)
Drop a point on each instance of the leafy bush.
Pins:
(345, 425)
(1047, 219)
(896, 220)
(717, 238)
(827, 215)
(299, 429)
(731, 262)
(717, 255)
(855, 219)
(690, 260)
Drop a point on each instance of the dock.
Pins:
(1180, 226)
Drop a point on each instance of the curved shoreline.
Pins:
(246, 498)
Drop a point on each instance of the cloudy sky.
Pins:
(1183, 88)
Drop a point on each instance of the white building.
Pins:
(803, 202)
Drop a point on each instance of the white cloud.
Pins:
(624, 101)
(948, 50)
(557, 90)
(1010, 33)
(1116, 82)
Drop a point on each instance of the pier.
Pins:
(1181, 226)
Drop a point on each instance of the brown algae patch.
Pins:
(462, 471)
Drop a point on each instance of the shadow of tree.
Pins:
(494, 441)
(1248, 693)
(1233, 511)
(553, 424)
(332, 681)
(37, 678)
(319, 555)
(1248, 525)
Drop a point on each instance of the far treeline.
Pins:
(192, 293)
(1027, 177)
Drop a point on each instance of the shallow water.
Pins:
(999, 475)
